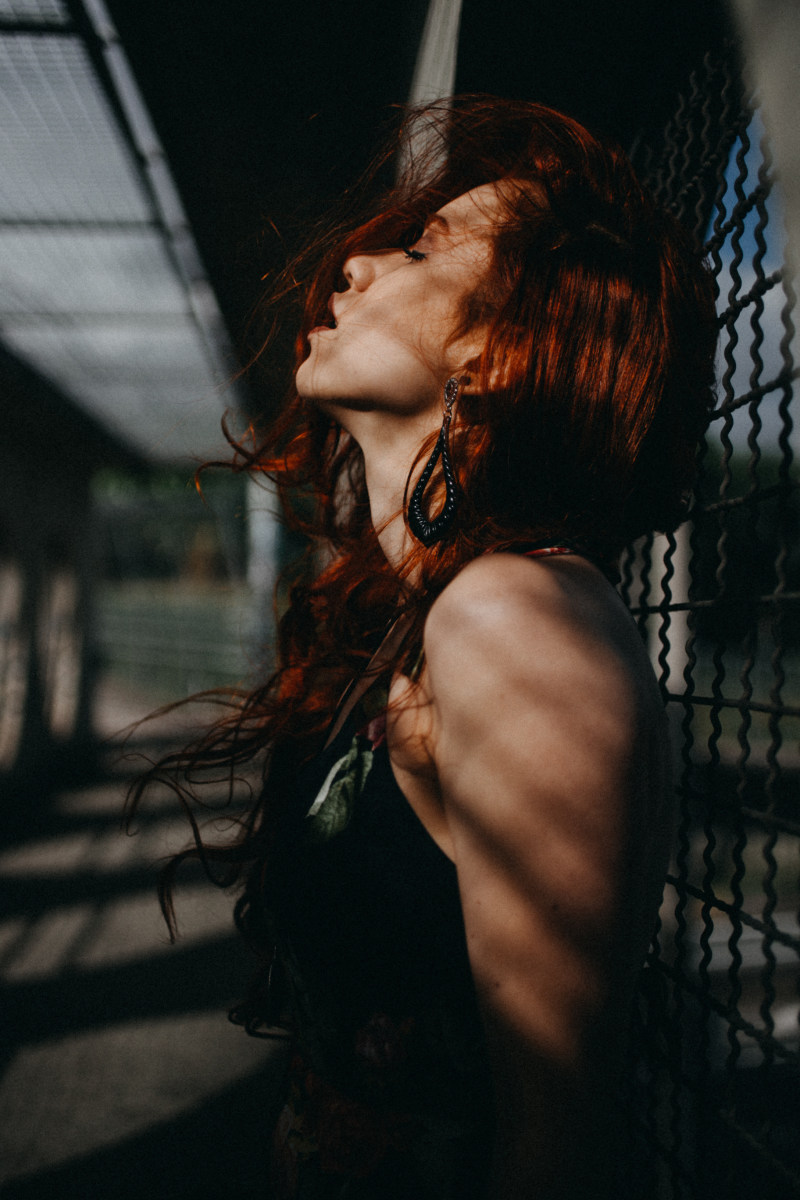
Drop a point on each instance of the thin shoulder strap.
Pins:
(608, 569)
(543, 551)
(371, 673)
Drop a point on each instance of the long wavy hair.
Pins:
(580, 424)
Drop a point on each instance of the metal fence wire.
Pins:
(715, 1093)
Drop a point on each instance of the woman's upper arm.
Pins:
(533, 717)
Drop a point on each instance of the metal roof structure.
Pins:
(102, 290)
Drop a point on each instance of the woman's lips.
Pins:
(330, 324)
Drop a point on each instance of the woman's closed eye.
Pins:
(414, 255)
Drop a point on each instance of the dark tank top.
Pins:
(388, 1093)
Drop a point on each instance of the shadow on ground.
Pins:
(121, 1076)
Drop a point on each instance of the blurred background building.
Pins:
(157, 161)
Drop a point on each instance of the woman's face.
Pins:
(392, 347)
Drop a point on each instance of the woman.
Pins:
(453, 871)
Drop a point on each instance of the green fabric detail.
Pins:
(332, 811)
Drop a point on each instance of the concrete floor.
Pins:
(121, 1076)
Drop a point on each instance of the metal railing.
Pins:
(715, 1098)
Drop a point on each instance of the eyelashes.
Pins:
(414, 255)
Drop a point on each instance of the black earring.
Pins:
(426, 531)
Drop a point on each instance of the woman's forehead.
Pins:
(481, 207)
(489, 205)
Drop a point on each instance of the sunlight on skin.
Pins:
(518, 942)
(545, 809)
(395, 337)
(381, 370)
(532, 748)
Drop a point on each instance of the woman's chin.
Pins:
(304, 380)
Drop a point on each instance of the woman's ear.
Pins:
(472, 367)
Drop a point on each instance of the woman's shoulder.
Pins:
(487, 583)
(499, 595)
(535, 620)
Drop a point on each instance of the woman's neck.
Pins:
(390, 446)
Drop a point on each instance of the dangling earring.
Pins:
(426, 531)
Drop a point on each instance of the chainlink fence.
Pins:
(715, 1106)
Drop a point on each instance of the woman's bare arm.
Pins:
(541, 700)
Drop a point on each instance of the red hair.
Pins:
(596, 381)
(580, 424)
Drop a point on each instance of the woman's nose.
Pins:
(359, 271)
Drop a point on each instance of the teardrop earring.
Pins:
(426, 531)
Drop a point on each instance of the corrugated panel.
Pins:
(101, 289)
(63, 156)
(44, 12)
